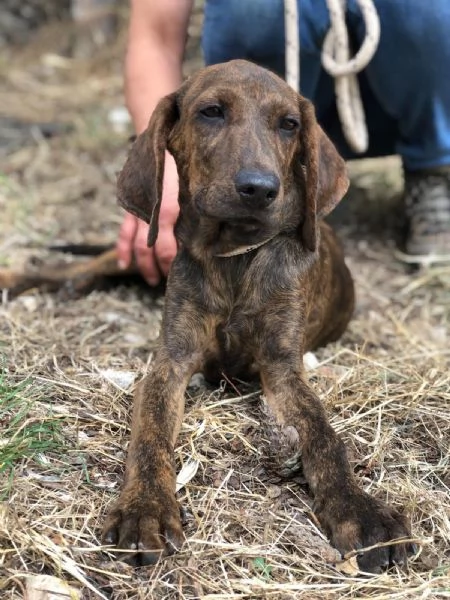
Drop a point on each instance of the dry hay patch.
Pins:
(386, 386)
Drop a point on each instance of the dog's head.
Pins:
(251, 158)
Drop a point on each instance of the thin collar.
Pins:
(244, 249)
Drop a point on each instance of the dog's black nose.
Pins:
(257, 187)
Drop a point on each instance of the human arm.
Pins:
(156, 42)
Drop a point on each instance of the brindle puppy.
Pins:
(258, 281)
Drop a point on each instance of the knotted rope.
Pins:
(337, 62)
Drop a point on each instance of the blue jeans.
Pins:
(405, 88)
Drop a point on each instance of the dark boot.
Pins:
(426, 215)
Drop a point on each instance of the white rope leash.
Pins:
(337, 62)
(292, 44)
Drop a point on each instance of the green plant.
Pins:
(24, 433)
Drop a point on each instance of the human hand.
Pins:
(153, 262)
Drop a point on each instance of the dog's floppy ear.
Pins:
(326, 174)
(139, 186)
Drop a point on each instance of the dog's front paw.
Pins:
(144, 528)
(358, 521)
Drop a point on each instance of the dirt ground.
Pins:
(68, 364)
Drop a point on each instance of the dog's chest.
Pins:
(235, 314)
(234, 335)
(237, 298)
(233, 353)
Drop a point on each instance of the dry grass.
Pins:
(386, 385)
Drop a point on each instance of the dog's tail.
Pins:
(81, 249)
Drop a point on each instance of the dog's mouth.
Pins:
(236, 229)
(241, 235)
(243, 226)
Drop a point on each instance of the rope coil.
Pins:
(337, 62)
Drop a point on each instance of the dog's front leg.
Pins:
(351, 518)
(145, 522)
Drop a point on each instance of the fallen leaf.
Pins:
(46, 587)
(310, 361)
(121, 379)
(187, 472)
(348, 566)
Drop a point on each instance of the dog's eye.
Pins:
(288, 124)
(213, 112)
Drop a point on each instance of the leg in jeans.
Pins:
(409, 78)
